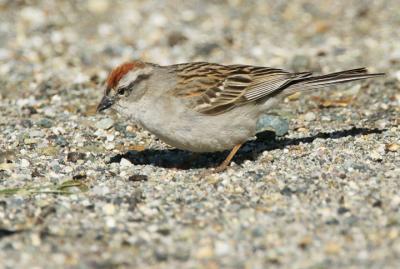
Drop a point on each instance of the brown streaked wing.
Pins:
(214, 88)
(196, 78)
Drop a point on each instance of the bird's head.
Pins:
(125, 81)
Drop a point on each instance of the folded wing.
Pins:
(213, 89)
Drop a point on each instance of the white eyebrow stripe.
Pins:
(133, 75)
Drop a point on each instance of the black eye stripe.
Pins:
(121, 91)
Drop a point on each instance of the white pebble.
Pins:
(109, 209)
(110, 138)
(109, 146)
(98, 6)
(310, 116)
(125, 163)
(375, 155)
(101, 190)
(397, 75)
(222, 248)
(33, 16)
(110, 222)
(24, 163)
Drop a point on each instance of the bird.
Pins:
(207, 107)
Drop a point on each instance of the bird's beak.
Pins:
(105, 103)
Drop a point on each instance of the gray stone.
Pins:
(277, 124)
(105, 124)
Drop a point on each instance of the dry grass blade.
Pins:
(326, 103)
(65, 188)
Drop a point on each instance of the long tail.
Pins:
(315, 82)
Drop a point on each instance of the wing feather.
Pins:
(213, 88)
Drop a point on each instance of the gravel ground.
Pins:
(80, 190)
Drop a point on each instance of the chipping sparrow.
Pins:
(206, 107)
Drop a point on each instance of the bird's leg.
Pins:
(228, 159)
(223, 165)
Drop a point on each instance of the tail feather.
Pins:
(361, 70)
(315, 82)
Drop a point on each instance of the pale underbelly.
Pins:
(203, 133)
(204, 143)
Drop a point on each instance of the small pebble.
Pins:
(101, 190)
(75, 156)
(310, 116)
(222, 248)
(30, 141)
(45, 123)
(36, 133)
(204, 252)
(125, 163)
(376, 155)
(98, 6)
(24, 163)
(61, 141)
(109, 209)
(392, 147)
(105, 124)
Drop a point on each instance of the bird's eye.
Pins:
(121, 91)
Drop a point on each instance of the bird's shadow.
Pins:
(180, 159)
